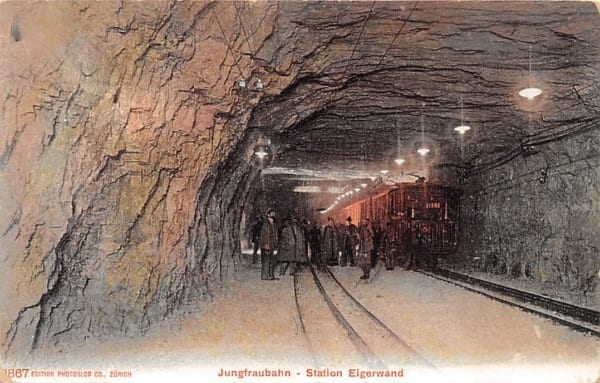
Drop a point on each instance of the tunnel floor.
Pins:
(254, 324)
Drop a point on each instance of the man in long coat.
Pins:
(291, 247)
(268, 243)
(256, 238)
(350, 242)
(388, 243)
(409, 247)
(365, 232)
(329, 244)
(314, 241)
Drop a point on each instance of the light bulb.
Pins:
(530, 93)
(462, 129)
(261, 154)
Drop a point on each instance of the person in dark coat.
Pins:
(366, 247)
(305, 229)
(329, 244)
(377, 243)
(291, 247)
(268, 242)
(314, 241)
(388, 243)
(409, 247)
(419, 248)
(350, 242)
(256, 238)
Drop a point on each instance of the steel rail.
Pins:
(363, 348)
(471, 287)
(380, 323)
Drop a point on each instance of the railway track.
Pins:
(378, 346)
(578, 318)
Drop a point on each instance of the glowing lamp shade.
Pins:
(357, 190)
(462, 129)
(399, 161)
(530, 93)
(261, 153)
(423, 151)
(384, 171)
(363, 185)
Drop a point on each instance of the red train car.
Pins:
(428, 212)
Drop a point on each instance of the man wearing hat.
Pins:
(350, 241)
(268, 242)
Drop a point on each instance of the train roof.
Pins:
(383, 189)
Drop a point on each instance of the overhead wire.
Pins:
(358, 39)
(396, 35)
(579, 129)
(227, 42)
(247, 40)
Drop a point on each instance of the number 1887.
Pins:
(16, 372)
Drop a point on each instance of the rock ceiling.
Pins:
(379, 78)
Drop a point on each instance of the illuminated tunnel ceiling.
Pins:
(374, 75)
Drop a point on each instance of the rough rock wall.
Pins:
(537, 217)
(115, 117)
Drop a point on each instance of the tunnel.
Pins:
(142, 140)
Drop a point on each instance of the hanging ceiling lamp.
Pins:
(423, 150)
(399, 160)
(530, 92)
(261, 152)
(462, 128)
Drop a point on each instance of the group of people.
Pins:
(290, 241)
(361, 245)
(343, 245)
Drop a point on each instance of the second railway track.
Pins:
(375, 343)
(578, 318)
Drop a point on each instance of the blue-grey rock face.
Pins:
(537, 218)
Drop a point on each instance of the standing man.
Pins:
(420, 248)
(388, 243)
(329, 244)
(377, 243)
(305, 229)
(291, 247)
(268, 242)
(256, 238)
(409, 247)
(350, 242)
(314, 240)
(366, 247)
